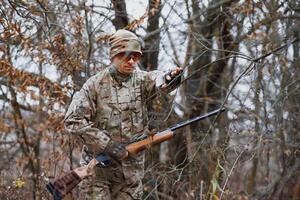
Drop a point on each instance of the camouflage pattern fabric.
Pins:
(104, 109)
(119, 181)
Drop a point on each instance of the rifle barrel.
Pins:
(198, 118)
(183, 124)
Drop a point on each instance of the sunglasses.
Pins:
(135, 56)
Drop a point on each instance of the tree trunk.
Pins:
(121, 19)
(152, 40)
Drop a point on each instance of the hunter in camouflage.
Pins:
(108, 111)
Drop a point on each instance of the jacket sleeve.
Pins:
(79, 119)
(156, 83)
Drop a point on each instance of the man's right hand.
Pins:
(116, 150)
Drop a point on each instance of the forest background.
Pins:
(241, 54)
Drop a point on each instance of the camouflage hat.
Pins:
(124, 41)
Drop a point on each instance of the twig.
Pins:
(229, 174)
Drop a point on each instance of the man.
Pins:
(108, 111)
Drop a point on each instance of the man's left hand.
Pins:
(175, 72)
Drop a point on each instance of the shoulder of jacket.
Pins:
(141, 74)
(149, 75)
(98, 77)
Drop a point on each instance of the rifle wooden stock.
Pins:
(136, 147)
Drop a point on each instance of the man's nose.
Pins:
(131, 60)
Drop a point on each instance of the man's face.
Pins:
(126, 61)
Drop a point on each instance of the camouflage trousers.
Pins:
(119, 181)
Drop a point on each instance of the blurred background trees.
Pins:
(238, 53)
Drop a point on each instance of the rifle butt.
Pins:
(63, 185)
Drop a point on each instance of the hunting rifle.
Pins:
(64, 184)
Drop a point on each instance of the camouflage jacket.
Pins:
(106, 109)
